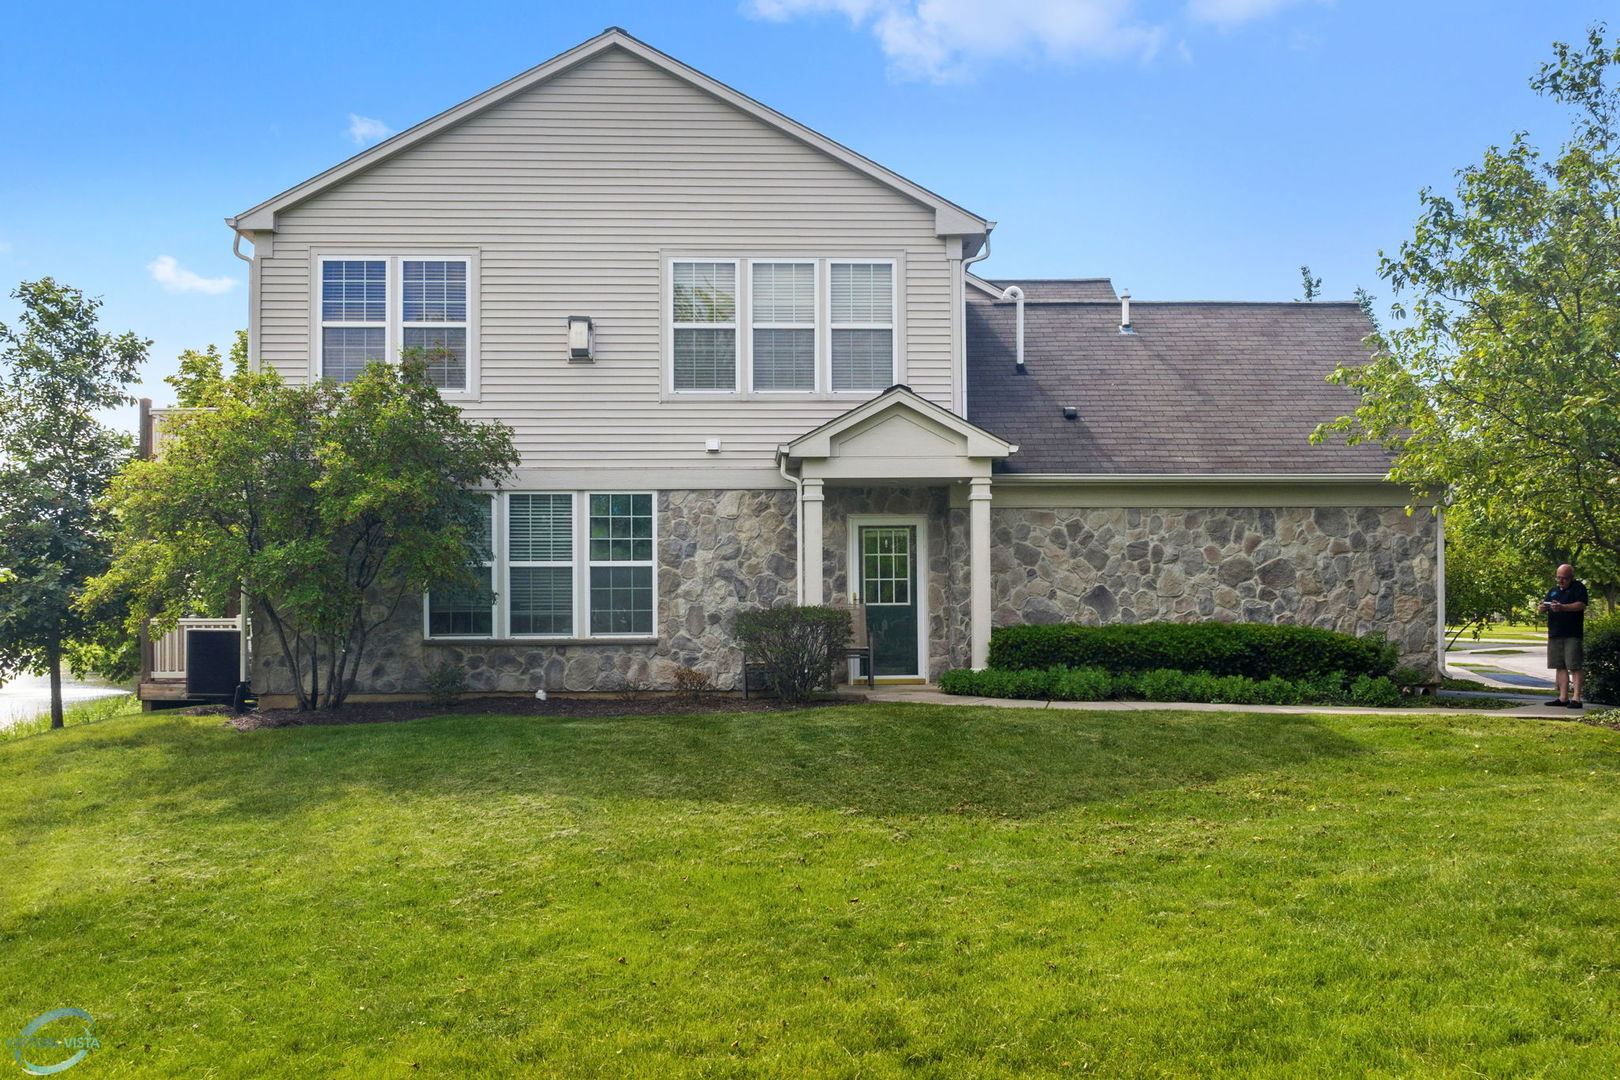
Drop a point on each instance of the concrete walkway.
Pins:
(1519, 665)
(928, 695)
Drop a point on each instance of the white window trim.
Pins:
(581, 564)
(394, 325)
(745, 326)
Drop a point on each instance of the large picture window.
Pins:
(773, 326)
(373, 309)
(560, 565)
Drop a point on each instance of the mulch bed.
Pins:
(391, 712)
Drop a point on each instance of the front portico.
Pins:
(888, 466)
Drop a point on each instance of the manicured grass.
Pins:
(1505, 632)
(875, 891)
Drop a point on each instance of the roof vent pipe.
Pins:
(1125, 312)
(1013, 292)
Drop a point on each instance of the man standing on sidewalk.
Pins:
(1565, 606)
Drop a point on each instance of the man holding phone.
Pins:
(1565, 607)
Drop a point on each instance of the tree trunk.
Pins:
(53, 660)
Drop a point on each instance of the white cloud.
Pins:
(1233, 12)
(363, 129)
(166, 271)
(946, 40)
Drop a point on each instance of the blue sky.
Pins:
(1198, 149)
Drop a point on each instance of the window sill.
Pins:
(537, 642)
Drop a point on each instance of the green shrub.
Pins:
(1169, 684)
(1374, 691)
(1601, 679)
(1323, 688)
(1276, 691)
(445, 684)
(1255, 650)
(1081, 684)
(798, 646)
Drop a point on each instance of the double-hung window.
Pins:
(561, 564)
(705, 325)
(373, 309)
(469, 612)
(775, 326)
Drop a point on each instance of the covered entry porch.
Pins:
(894, 521)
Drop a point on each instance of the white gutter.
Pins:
(1013, 292)
(798, 523)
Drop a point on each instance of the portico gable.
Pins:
(898, 439)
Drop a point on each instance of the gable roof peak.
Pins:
(949, 218)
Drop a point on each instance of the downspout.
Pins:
(798, 524)
(1013, 292)
(959, 322)
(236, 247)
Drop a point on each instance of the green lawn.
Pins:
(876, 891)
(1505, 632)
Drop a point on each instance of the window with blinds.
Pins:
(705, 298)
(540, 554)
(862, 326)
(372, 310)
(559, 564)
(772, 326)
(434, 318)
(784, 326)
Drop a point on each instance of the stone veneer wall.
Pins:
(717, 551)
(1353, 570)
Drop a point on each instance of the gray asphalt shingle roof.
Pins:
(1199, 388)
(1099, 288)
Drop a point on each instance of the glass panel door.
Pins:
(888, 576)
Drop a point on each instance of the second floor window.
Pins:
(373, 309)
(771, 326)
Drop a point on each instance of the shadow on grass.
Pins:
(880, 759)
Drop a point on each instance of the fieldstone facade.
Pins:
(718, 551)
(1354, 570)
(1358, 571)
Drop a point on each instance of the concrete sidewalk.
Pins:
(928, 695)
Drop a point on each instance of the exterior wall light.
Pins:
(581, 339)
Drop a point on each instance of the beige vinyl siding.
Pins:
(573, 196)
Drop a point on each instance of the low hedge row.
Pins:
(1168, 684)
(1253, 650)
(1602, 675)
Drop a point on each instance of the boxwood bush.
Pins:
(1169, 684)
(1253, 650)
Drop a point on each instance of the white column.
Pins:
(979, 569)
(814, 542)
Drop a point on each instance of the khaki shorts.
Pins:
(1565, 653)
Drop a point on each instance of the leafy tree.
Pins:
(1504, 386)
(326, 505)
(1486, 578)
(200, 381)
(57, 372)
(1311, 285)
